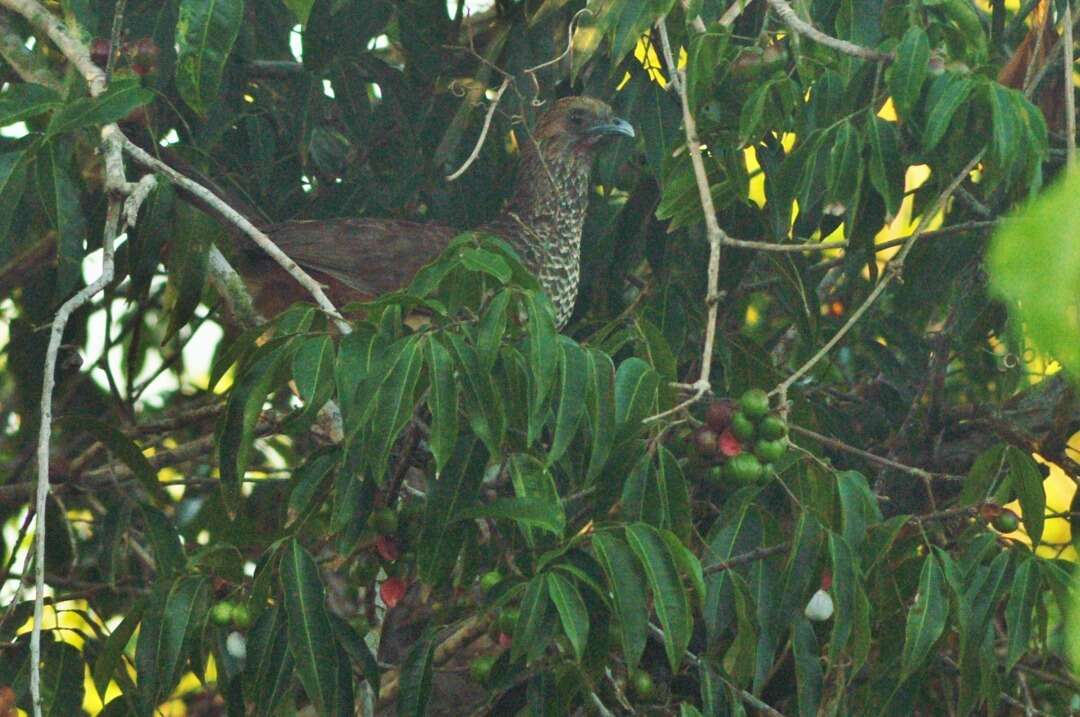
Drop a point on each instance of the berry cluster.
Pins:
(741, 440)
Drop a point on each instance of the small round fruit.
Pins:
(754, 403)
(770, 451)
(715, 475)
(480, 668)
(508, 620)
(744, 468)
(705, 441)
(490, 579)
(222, 613)
(742, 426)
(1006, 522)
(718, 414)
(729, 445)
(241, 616)
(642, 683)
(384, 521)
(772, 427)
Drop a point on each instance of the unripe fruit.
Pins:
(715, 475)
(742, 426)
(1006, 522)
(222, 613)
(490, 579)
(770, 451)
(754, 403)
(772, 427)
(480, 668)
(705, 440)
(744, 468)
(241, 616)
(718, 414)
(508, 620)
(384, 521)
(642, 683)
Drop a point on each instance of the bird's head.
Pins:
(578, 125)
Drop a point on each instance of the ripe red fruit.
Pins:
(718, 414)
(391, 591)
(705, 440)
(387, 548)
(505, 640)
(729, 444)
(99, 51)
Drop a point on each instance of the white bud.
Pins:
(236, 645)
(820, 607)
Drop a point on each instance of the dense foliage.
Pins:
(504, 522)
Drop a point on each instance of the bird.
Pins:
(361, 258)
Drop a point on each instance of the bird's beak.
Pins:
(613, 126)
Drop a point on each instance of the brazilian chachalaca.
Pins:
(360, 258)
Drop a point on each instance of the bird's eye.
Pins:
(577, 117)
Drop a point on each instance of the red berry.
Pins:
(391, 591)
(505, 640)
(729, 444)
(99, 51)
(387, 548)
(826, 580)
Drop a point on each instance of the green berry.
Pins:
(772, 427)
(754, 403)
(508, 620)
(743, 468)
(715, 475)
(241, 616)
(490, 579)
(222, 613)
(770, 451)
(384, 521)
(1006, 522)
(742, 427)
(642, 683)
(480, 668)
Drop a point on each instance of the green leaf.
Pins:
(1006, 129)
(600, 407)
(183, 614)
(845, 164)
(109, 660)
(927, 618)
(532, 480)
(13, 167)
(1027, 479)
(543, 356)
(486, 262)
(311, 641)
(669, 594)
(808, 674)
(60, 191)
(573, 381)
(529, 635)
(703, 59)
(393, 405)
(1023, 597)
(23, 100)
(572, 611)
(269, 665)
(636, 383)
(908, 72)
(675, 495)
(187, 261)
(121, 97)
(529, 512)
(983, 475)
(489, 336)
(483, 406)
(844, 589)
(62, 681)
(122, 448)
(1035, 265)
(205, 33)
(946, 95)
(628, 588)
(455, 490)
(313, 373)
(886, 172)
(416, 674)
(858, 507)
(169, 557)
(236, 429)
(442, 401)
(301, 9)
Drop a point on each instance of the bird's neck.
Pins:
(543, 221)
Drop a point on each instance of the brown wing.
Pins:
(356, 259)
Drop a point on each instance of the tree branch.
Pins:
(802, 27)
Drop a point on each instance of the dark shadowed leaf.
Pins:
(670, 599)
(311, 641)
(572, 611)
(927, 617)
(205, 35)
(628, 588)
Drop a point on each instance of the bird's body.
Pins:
(359, 258)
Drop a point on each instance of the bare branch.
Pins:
(802, 27)
(1070, 89)
(483, 132)
(894, 268)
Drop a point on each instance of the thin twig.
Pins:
(1070, 90)
(1050, 61)
(241, 222)
(805, 248)
(802, 27)
(483, 132)
(866, 455)
(895, 267)
(114, 37)
(713, 232)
